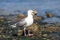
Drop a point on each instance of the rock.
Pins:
(38, 18)
(48, 39)
(4, 36)
(44, 38)
(44, 35)
(0, 36)
(1, 18)
(20, 32)
(34, 28)
(52, 28)
(21, 16)
(49, 15)
(13, 39)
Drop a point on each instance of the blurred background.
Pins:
(21, 6)
(10, 6)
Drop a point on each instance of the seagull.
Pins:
(26, 22)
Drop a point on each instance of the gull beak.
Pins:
(35, 12)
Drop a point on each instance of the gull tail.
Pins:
(14, 25)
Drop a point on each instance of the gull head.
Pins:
(32, 12)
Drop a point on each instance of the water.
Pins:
(9, 6)
(52, 20)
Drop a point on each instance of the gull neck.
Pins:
(30, 15)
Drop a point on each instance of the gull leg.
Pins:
(28, 32)
(24, 31)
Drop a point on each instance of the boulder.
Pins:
(19, 32)
(49, 15)
(35, 29)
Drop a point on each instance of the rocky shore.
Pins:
(40, 31)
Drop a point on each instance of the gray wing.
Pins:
(21, 23)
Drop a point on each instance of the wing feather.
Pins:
(21, 23)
